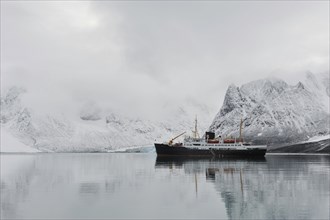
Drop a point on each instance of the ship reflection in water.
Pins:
(277, 187)
(141, 186)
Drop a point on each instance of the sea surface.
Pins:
(140, 185)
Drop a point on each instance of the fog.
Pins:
(136, 56)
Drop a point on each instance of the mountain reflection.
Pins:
(15, 179)
(89, 188)
(278, 187)
(107, 186)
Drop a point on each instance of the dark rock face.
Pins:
(313, 147)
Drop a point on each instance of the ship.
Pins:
(210, 146)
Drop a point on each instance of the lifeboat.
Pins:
(226, 141)
(212, 141)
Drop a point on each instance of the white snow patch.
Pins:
(142, 149)
(317, 138)
(10, 144)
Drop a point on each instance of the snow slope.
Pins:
(10, 144)
(317, 139)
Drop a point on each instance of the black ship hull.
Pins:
(166, 150)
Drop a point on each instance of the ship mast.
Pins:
(195, 132)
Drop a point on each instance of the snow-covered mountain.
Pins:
(272, 111)
(275, 112)
(93, 129)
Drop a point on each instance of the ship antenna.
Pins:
(240, 130)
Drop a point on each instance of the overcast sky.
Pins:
(135, 55)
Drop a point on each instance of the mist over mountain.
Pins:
(94, 129)
(274, 112)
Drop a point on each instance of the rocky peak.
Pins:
(273, 110)
(260, 89)
(300, 85)
(233, 99)
(11, 95)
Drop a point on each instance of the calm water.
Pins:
(142, 186)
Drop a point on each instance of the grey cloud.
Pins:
(145, 53)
